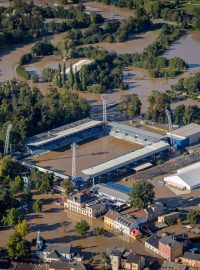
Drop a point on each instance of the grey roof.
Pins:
(117, 251)
(167, 240)
(192, 256)
(81, 197)
(53, 255)
(153, 240)
(126, 220)
(62, 249)
(133, 258)
(142, 133)
(111, 192)
(126, 159)
(172, 266)
(185, 131)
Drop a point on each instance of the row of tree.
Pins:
(24, 21)
(158, 102)
(30, 112)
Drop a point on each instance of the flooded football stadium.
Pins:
(87, 155)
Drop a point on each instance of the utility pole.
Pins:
(74, 146)
(104, 99)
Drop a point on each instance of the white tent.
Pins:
(187, 177)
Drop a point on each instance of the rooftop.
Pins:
(192, 256)
(185, 131)
(62, 132)
(81, 197)
(111, 192)
(133, 258)
(167, 240)
(172, 266)
(126, 159)
(153, 240)
(112, 215)
(140, 132)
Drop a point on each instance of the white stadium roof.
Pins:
(126, 159)
(188, 177)
(56, 134)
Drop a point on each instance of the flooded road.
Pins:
(136, 44)
(88, 154)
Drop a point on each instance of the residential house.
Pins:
(152, 243)
(155, 210)
(85, 204)
(169, 248)
(126, 259)
(190, 259)
(49, 252)
(110, 218)
(171, 216)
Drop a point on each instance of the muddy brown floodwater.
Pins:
(11, 54)
(57, 226)
(136, 44)
(88, 154)
(108, 12)
(187, 48)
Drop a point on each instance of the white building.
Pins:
(185, 178)
(85, 204)
(77, 66)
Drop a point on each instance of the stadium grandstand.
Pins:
(133, 134)
(140, 156)
(64, 135)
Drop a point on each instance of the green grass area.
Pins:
(188, 6)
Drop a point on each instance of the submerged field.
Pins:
(88, 154)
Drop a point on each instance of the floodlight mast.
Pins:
(7, 142)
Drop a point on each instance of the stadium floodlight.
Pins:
(104, 98)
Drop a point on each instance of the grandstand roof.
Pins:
(185, 131)
(62, 132)
(188, 177)
(140, 132)
(77, 66)
(126, 159)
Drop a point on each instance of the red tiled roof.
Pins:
(139, 213)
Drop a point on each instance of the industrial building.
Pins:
(147, 153)
(185, 136)
(185, 178)
(116, 193)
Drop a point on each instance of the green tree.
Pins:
(37, 206)
(46, 183)
(71, 77)
(107, 261)
(193, 217)
(17, 246)
(16, 185)
(67, 186)
(82, 227)
(11, 218)
(142, 194)
(130, 105)
(22, 228)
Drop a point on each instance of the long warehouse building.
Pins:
(135, 157)
(185, 178)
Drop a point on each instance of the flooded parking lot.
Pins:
(88, 154)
